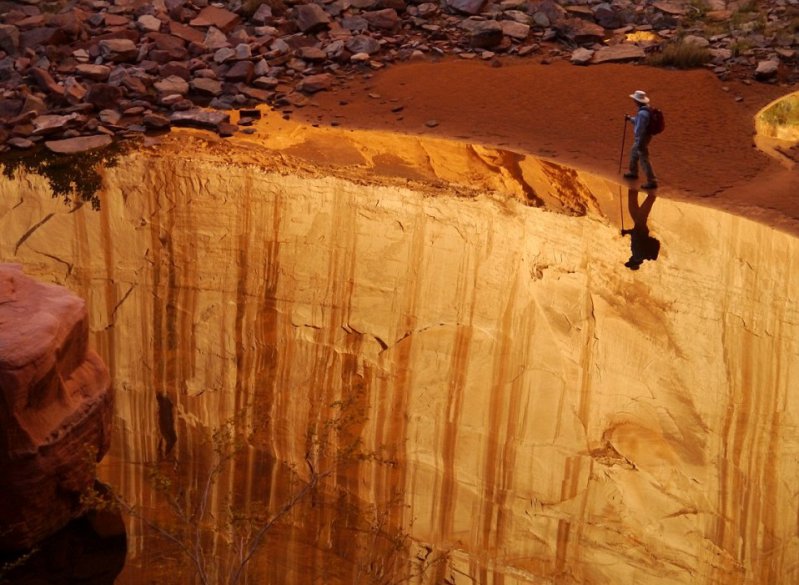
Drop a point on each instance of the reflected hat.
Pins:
(640, 97)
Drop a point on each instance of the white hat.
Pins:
(640, 97)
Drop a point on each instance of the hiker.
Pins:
(640, 149)
(642, 245)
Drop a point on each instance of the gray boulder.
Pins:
(313, 54)
(9, 38)
(386, 19)
(767, 70)
(205, 86)
(607, 17)
(156, 121)
(696, 41)
(172, 85)
(20, 143)
(103, 95)
(215, 39)
(241, 71)
(362, 44)
(518, 16)
(355, 24)
(262, 15)
(111, 117)
(486, 34)
(470, 7)
(93, 72)
(315, 83)
(51, 123)
(541, 19)
(311, 18)
(148, 23)
(515, 30)
(583, 32)
(7, 70)
(581, 56)
(199, 119)
(224, 54)
(119, 50)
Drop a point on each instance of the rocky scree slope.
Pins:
(77, 74)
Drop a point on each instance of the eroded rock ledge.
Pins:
(56, 407)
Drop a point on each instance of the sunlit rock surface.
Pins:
(542, 414)
(55, 412)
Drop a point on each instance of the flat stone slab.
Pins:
(220, 18)
(79, 144)
(618, 53)
(582, 56)
(672, 8)
(49, 123)
(199, 119)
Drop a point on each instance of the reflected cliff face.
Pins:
(421, 361)
(780, 118)
(777, 130)
(89, 550)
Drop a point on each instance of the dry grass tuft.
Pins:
(680, 55)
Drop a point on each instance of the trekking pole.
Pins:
(623, 138)
(621, 212)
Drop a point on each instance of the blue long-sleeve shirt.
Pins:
(641, 124)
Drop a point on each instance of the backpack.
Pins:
(657, 122)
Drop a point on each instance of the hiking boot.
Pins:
(632, 265)
(630, 176)
(650, 185)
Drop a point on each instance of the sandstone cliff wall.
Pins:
(550, 415)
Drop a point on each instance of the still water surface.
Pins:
(421, 362)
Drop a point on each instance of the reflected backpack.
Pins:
(657, 123)
(651, 248)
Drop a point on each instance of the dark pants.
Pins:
(639, 234)
(640, 152)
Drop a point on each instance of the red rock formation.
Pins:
(55, 408)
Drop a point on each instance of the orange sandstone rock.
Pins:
(55, 408)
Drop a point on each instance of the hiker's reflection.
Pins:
(642, 245)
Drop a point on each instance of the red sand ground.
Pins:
(575, 115)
